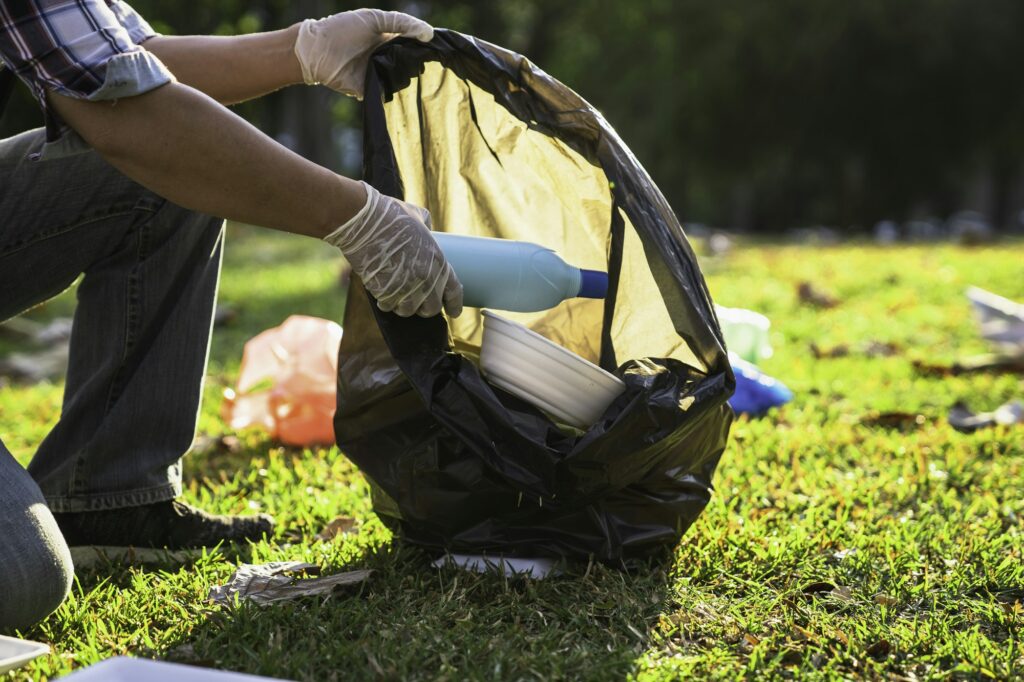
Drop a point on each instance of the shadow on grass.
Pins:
(412, 621)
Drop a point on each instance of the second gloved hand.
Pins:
(335, 50)
(389, 245)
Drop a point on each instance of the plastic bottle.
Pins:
(746, 333)
(517, 276)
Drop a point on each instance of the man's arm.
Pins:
(231, 69)
(187, 148)
(183, 145)
(333, 51)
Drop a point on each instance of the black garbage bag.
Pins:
(493, 146)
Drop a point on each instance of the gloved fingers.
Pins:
(392, 302)
(430, 307)
(413, 302)
(423, 290)
(304, 50)
(391, 286)
(432, 304)
(402, 24)
(385, 302)
(418, 212)
(390, 247)
(351, 87)
(452, 293)
(408, 308)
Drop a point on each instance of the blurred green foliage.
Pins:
(748, 113)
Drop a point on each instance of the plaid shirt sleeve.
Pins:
(85, 49)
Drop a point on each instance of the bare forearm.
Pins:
(231, 69)
(194, 152)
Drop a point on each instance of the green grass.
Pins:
(920, 532)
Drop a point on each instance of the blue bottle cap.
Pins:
(593, 284)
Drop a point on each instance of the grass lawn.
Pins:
(831, 549)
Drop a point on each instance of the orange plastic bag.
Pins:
(288, 382)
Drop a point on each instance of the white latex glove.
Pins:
(389, 245)
(335, 51)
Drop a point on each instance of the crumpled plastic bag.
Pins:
(288, 382)
(265, 584)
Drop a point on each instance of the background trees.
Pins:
(748, 114)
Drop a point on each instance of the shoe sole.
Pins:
(91, 556)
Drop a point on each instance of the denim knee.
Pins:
(37, 570)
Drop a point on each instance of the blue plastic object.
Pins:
(518, 276)
(756, 392)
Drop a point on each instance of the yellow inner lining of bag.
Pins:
(499, 178)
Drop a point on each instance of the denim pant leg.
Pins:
(142, 327)
(35, 564)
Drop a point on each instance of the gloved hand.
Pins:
(335, 51)
(389, 245)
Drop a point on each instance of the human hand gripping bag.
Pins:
(494, 147)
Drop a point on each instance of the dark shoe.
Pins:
(170, 525)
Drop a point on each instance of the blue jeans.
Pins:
(139, 342)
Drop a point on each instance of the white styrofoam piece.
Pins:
(1001, 320)
(15, 652)
(537, 569)
(124, 669)
(556, 380)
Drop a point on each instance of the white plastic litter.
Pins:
(123, 669)
(556, 380)
(15, 652)
(537, 569)
(1001, 320)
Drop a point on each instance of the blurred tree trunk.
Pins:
(305, 122)
(1005, 171)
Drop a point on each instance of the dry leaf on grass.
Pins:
(978, 363)
(809, 295)
(903, 421)
(207, 445)
(800, 634)
(844, 594)
(840, 351)
(337, 526)
(880, 349)
(225, 315)
(265, 584)
(870, 349)
(879, 649)
(818, 588)
(883, 599)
